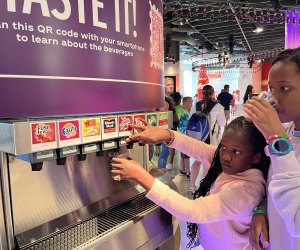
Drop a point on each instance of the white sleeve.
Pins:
(218, 112)
(221, 120)
(284, 188)
(221, 206)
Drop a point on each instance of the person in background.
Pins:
(233, 187)
(234, 103)
(177, 102)
(165, 151)
(283, 208)
(217, 118)
(248, 91)
(183, 112)
(226, 99)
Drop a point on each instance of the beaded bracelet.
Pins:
(276, 136)
(172, 138)
(258, 210)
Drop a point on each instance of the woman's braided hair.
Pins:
(258, 142)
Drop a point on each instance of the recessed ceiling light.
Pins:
(258, 30)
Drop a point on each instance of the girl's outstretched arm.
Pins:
(217, 207)
(149, 134)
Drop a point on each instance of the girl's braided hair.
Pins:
(291, 55)
(258, 143)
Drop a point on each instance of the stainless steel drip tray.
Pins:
(132, 225)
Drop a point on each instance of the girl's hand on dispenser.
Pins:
(264, 116)
(131, 170)
(149, 134)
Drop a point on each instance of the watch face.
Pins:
(281, 145)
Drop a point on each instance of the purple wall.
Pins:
(40, 76)
(292, 29)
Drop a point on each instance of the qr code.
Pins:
(156, 38)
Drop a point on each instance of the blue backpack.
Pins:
(198, 126)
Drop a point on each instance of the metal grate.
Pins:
(97, 226)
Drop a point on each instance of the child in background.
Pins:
(284, 176)
(233, 187)
(215, 111)
(183, 113)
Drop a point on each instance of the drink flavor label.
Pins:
(43, 136)
(124, 121)
(69, 133)
(137, 117)
(163, 120)
(152, 119)
(90, 129)
(109, 127)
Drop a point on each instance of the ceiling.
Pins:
(209, 29)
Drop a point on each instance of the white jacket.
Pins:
(217, 115)
(284, 198)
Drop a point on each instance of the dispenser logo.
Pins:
(90, 129)
(163, 120)
(69, 130)
(43, 136)
(152, 119)
(124, 121)
(137, 119)
(109, 127)
(43, 132)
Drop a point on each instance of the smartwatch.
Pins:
(279, 146)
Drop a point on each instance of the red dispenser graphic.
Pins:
(202, 80)
(43, 136)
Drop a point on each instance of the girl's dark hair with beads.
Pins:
(258, 142)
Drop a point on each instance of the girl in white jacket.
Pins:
(284, 175)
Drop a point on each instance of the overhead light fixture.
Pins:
(258, 29)
(180, 21)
